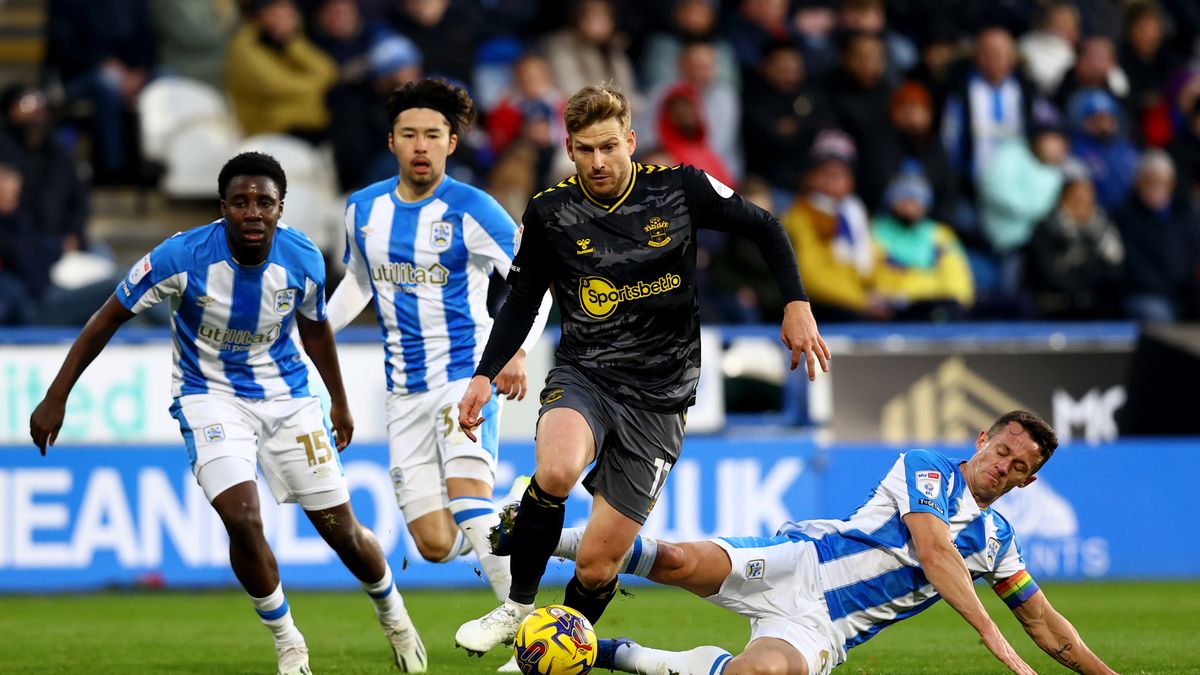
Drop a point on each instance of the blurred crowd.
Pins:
(930, 159)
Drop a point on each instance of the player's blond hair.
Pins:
(596, 103)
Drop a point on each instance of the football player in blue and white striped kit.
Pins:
(421, 247)
(820, 587)
(247, 291)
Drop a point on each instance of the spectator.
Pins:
(591, 50)
(1185, 152)
(1018, 189)
(691, 20)
(276, 77)
(935, 69)
(870, 16)
(912, 141)
(1048, 51)
(372, 61)
(782, 115)
(722, 106)
(193, 37)
(1095, 68)
(445, 32)
(684, 133)
(860, 106)
(830, 232)
(16, 307)
(103, 53)
(992, 105)
(759, 24)
(1148, 63)
(1075, 258)
(922, 269)
(1097, 139)
(1161, 235)
(53, 195)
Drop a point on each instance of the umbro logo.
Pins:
(366, 229)
(205, 300)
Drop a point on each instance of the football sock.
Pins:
(389, 605)
(634, 658)
(277, 615)
(534, 536)
(476, 517)
(588, 602)
(638, 560)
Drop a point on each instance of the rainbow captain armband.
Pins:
(1016, 589)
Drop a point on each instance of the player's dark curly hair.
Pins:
(436, 94)
(1039, 431)
(252, 164)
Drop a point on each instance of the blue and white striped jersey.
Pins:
(232, 325)
(868, 568)
(428, 264)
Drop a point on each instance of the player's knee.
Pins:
(594, 573)
(557, 478)
(243, 525)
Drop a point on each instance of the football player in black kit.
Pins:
(617, 243)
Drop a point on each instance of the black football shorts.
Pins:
(635, 448)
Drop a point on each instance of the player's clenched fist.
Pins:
(478, 393)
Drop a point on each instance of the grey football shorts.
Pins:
(635, 448)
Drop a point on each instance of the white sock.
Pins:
(277, 615)
(476, 517)
(635, 658)
(638, 560)
(389, 605)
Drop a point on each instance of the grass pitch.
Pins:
(1135, 627)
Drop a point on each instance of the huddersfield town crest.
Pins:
(440, 236)
(285, 301)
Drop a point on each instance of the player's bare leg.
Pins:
(445, 534)
(255, 567)
(565, 446)
(609, 534)
(359, 551)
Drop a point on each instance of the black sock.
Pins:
(588, 602)
(534, 537)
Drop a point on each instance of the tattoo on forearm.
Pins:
(1066, 659)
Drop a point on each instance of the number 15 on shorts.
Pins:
(315, 447)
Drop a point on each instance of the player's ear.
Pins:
(391, 143)
(453, 144)
(570, 149)
(632, 142)
(980, 440)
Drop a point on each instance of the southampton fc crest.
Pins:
(285, 301)
(440, 235)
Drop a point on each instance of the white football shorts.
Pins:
(773, 582)
(288, 440)
(423, 436)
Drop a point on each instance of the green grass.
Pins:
(1135, 627)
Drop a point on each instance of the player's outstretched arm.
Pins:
(319, 345)
(799, 333)
(47, 417)
(944, 568)
(1056, 636)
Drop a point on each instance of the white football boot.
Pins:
(497, 627)
(407, 647)
(293, 659)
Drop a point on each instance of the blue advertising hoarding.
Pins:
(100, 516)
